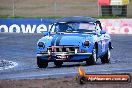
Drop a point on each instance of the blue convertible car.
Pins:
(74, 39)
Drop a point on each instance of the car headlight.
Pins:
(86, 43)
(41, 44)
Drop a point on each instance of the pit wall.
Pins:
(19, 25)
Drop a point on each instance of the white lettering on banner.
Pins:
(28, 28)
(41, 28)
(23, 28)
(4, 27)
(13, 28)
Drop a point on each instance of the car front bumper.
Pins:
(64, 56)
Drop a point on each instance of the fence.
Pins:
(40, 8)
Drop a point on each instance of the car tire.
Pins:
(106, 58)
(93, 58)
(81, 80)
(58, 63)
(41, 63)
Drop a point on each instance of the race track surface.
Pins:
(21, 49)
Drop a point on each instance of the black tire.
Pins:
(58, 63)
(106, 58)
(41, 63)
(93, 58)
(81, 79)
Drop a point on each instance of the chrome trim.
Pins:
(70, 49)
(84, 53)
(75, 51)
(63, 53)
(42, 55)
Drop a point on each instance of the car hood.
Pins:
(67, 39)
(71, 39)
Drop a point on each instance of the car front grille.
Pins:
(63, 48)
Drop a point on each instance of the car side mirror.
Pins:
(102, 32)
(45, 33)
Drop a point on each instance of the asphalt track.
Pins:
(21, 49)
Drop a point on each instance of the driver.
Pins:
(63, 27)
(98, 27)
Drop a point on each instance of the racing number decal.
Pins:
(103, 46)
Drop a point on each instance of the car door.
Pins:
(107, 40)
(103, 43)
(102, 40)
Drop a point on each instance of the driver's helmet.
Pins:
(63, 27)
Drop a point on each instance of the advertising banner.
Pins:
(17, 25)
(117, 26)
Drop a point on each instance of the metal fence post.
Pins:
(98, 10)
(13, 8)
(55, 4)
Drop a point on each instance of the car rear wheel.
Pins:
(93, 58)
(58, 63)
(81, 79)
(41, 63)
(106, 58)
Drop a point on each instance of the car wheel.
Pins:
(81, 80)
(58, 63)
(41, 63)
(93, 58)
(106, 58)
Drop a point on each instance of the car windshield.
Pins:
(73, 27)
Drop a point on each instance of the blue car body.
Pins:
(82, 36)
